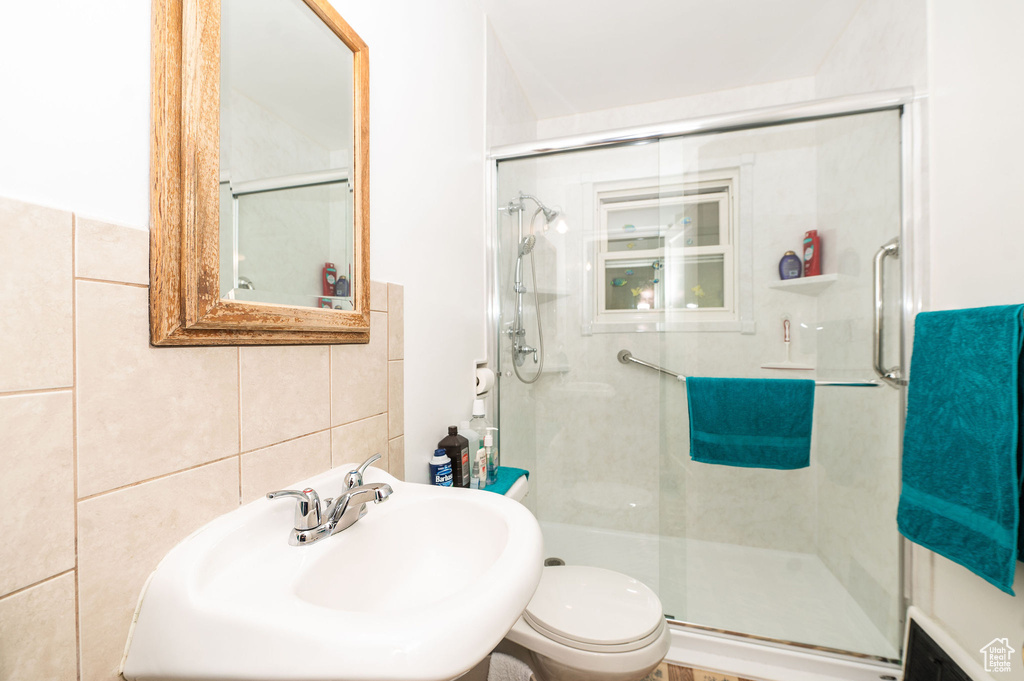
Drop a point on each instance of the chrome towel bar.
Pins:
(625, 356)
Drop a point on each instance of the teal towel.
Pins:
(961, 493)
(506, 478)
(751, 422)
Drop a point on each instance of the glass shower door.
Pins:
(670, 251)
(812, 555)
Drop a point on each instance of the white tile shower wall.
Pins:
(858, 429)
(597, 425)
(883, 47)
(747, 506)
(142, 445)
(722, 101)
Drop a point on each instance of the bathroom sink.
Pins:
(422, 587)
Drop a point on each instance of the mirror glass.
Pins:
(286, 138)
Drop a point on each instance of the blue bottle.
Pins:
(790, 267)
(441, 469)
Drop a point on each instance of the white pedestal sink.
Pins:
(421, 588)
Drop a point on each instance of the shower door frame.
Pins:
(914, 577)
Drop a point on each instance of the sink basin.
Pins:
(422, 587)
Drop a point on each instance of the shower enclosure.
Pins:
(666, 245)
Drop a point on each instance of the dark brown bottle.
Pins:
(457, 449)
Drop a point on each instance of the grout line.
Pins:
(156, 477)
(291, 439)
(44, 391)
(74, 434)
(40, 583)
(239, 360)
(111, 281)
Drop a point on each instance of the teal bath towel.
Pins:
(961, 491)
(751, 422)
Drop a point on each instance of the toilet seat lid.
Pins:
(593, 606)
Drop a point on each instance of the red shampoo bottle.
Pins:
(812, 253)
(330, 278)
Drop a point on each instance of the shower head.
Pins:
(527, 244)
(550, 214)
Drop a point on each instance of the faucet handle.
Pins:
(355, 478)
(307, 510)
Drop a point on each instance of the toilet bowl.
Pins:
(590, 624)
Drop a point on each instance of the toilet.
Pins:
(589, 624)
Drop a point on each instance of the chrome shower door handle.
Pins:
(890, 375)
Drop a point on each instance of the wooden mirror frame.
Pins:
(184, 291)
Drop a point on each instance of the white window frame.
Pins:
(609, 197)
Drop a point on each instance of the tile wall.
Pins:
(113, 451)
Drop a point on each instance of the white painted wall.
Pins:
(74, 123)
(976, 144)
(74, 134)
(510, 118)
(427, 137)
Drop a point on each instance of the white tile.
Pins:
(279, 466)
(37, 632)
(111, 252)
(121, 538)
(36, 458)
(145, 411)
(285, 393)
(359, 378)
(35, 295)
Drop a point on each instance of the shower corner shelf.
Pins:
(806, 286)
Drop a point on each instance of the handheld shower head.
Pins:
(527, 244)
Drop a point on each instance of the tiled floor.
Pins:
(763, 592)
(670, 672)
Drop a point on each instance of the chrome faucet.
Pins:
(313, 522)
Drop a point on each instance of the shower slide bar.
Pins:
(625, 356)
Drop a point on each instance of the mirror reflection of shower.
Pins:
(525, 245)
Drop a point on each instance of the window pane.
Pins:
(701, 283)
(633, 285)
(635, 228)
(700, 223)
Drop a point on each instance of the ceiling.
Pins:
(575, 56)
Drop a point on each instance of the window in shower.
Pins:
(666, 249)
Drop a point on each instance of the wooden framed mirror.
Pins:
(206, 254)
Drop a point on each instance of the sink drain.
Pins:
(551, 562)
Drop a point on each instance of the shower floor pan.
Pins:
(779, 595)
